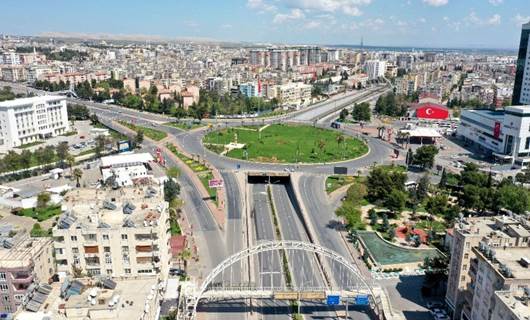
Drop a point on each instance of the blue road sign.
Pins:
(333, 300)
(362, 300)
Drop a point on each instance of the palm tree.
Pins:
(70, 159)
(340, 141)
(321, 144)
(77, 175)
(184, 256)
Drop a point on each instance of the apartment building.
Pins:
(295, 93)
(473, 275)
(498, 268)
(512, 305)
(23, 261)
(30, 119)
(117, 232)
(375, 69)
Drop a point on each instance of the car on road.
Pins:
(176, 272)
(434, 304)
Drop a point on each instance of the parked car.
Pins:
(176, 272)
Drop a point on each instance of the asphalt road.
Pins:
(269, 271)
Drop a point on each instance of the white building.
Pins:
(375, 69)
(504, 134)
(27, 120)
(512, 305)
(118, 233)
(126, 167)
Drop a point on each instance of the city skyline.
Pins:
(414, 23)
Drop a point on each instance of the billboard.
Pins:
(432, 111)
(215, 183)
(333, 300)
(362, 300)
(497, 130)
(340, 170)
(124, 146)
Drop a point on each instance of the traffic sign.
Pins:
(215, 183)
(333, 300)
(362, 300)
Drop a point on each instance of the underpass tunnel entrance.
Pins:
(266, 178)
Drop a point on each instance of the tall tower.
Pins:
(362, 42)
(521, 88)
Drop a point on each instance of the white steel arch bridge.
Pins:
(294, 261)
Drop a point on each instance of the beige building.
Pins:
(119, 233)
(498, 268)
(464, 269)
(512, 305)
(23, 261)
(295, 93)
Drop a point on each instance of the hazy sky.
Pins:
(438, 23)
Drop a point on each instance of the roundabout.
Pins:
(284, 144)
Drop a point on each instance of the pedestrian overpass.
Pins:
(286, 270)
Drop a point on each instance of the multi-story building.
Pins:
(375, 69)
(250, 89)
(30, 119)
(117, 232)
(295, 93)
(512, 305)
(23, 261)
(472, 277)
(504, 133)
(498, 268)
(521, 90)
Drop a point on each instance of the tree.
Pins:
(395, 201)
(443, 179)
(171, 190)
(382, 180)
(424, 156)
(471, 197)
(321, 144)
(422, 189)
(77, 174)
(139, 139)
(70, 160)
(94, 120)
(386, 224)
(62, 151)
(43, 199)
(361, 112)
(372, 215)
(391, 233)
(101, 141)
(25, 159)
(437, 205)
(513, 198)
(180, 113)
(343, 114)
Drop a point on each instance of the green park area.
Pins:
(151, 133)
(185, 125)
(286, 144)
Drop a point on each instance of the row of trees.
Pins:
(6, 94)
(393, 105)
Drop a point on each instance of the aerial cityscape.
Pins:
(265, 159)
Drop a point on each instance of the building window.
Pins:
(105, 237)
(127, 271)
(2, 276)
(109, 272)
(124, 237)
(108, 260)
(73, 238)
(106, 249)
(75, 250)
(527, 143)
(3, 287)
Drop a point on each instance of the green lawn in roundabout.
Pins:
(279, 143)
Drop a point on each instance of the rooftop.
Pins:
(27, 101)
(478, 226)
(488, 114)
(509, 258)
(22, 251)
(518, 109)
(126, 158)
(107, 208)
(513, 300)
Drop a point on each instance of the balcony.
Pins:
(21, 278)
